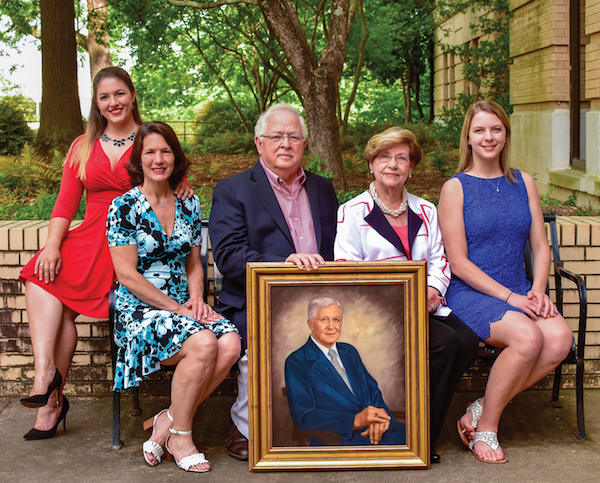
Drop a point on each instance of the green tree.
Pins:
(92, 16)
(399, 46)
(228, 52)
(314, 45)
(486, 60)
(14, 131)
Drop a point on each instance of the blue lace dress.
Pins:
(497, 224)
(145, 335)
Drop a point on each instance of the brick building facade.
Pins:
(554, 91)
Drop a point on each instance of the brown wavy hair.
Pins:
(79, 152)
(134, 165)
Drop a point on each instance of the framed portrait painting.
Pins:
(338, 369)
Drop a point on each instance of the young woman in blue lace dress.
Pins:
(154, 241)
(487, 214)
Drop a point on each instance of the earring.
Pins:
(371, 171)
(101, 115)
(410, 175)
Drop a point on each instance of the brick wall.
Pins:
(91, 370)
(91, 373)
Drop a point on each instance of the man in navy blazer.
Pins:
(329, 389)
(273, 212)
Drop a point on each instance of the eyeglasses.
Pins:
(293, 139)
(400, 158)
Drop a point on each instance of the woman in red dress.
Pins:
(73, 273)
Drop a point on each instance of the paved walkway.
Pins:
(539, 441)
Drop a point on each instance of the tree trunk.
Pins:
(323, 133)
(431, 57)
(417, 81)
(405, 79)
(60, 114)
(97, 41)
(359, 66)
(319, 85)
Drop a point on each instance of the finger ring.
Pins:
(432, 306)
(41, 264)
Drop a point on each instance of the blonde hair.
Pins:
(466, 155)
(80, 150)
(393, 137)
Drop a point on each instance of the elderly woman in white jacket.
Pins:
(387, 223)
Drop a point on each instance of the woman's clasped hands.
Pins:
(535, 304)
(201, 311)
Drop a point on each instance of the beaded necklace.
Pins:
(382, 205)
(118, 142)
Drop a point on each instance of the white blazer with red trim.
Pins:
(364, 234)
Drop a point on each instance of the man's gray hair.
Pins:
(320, 303)
(259, 128)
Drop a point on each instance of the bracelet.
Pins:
(511, 292)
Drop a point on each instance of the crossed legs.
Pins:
(202, 363)
(53, 339)
(532, 349)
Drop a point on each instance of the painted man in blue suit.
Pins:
(329, 389)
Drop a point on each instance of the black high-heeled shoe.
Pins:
(39, 400)
(34, 434)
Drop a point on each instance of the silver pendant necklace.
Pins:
(497, 186)
(385, 209)
(118, 142)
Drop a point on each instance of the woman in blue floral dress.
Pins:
(154, 241)
(488, 212)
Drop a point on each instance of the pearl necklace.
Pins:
(495, 186)
(118, 142)
(384, 208)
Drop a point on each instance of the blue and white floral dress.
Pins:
(144, 335)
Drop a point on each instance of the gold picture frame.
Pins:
(384, 318)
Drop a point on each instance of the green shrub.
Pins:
(30, 174)
(13, 208)
(29, 185)
(14, 131)
(220, 129)
(227, 142)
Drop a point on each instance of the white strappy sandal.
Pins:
(152, 447)
(476, 409)
(491, 439)
(188, 462)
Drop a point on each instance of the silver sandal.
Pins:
(491, 439)
(476, 409)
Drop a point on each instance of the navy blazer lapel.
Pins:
(414, 225)
(264, 192)
(380, 224)
(323, 367)
(353, 370)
